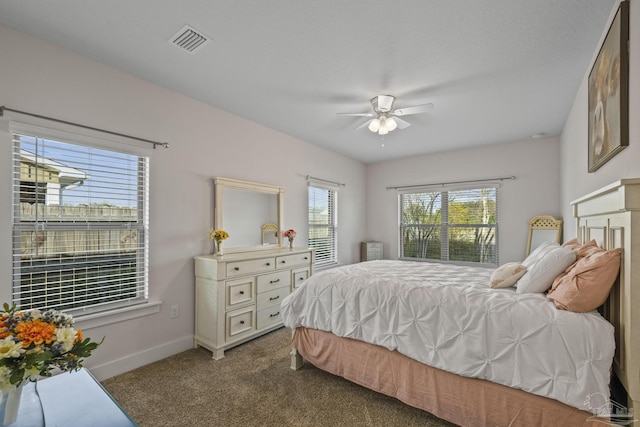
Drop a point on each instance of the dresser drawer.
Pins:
(286, 261)
(269, 317)
(267, 282)
(274, 297)
(299, 276)
(240, 322)
(260, 265)
(240, 292)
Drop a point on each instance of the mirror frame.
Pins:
(269, 228)
(544, 222)
(220, 184)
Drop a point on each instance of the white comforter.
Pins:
(448, 317)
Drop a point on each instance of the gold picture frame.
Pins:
(609, 93)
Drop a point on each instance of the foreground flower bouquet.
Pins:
(32, 344)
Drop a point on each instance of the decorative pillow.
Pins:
(507, 275)
(586, 285)
(573, 244)
(581, 251)
(538, 253)
(539, 277)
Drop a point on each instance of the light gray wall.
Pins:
(205, 142)
(535, 191)
(576, 180)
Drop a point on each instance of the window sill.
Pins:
(96, 320)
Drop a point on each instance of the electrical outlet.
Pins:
(175, 311)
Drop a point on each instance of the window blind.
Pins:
(80, 225)
(323, 225)
(453, 225)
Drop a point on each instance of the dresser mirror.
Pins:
(543, 228)
(242, 208)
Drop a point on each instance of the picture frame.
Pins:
(608, 93)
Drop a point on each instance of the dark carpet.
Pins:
(253, 386)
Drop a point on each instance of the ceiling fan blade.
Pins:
(416, 109)
(356, 114)
(402, 124)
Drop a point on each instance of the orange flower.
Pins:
(35, 332)
(4, 330)
(78, 336)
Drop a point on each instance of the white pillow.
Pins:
(539, 252)
(541, 275)
(507, 275)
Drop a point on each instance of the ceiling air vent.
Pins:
(189, 39)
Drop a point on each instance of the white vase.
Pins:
(219, 251)
(24, 403)
(290, 243)
(10, 405)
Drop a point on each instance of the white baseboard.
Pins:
(125, 364)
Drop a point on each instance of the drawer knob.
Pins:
(283, 261)
(306, 257)
(242, 322)
(274, 315)
(274, 298)
(241, 292)
(237, 269)
(301, 278)
(274, 281)
(268, 264)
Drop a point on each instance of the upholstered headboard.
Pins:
(611, 216)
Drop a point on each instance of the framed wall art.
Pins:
(609, 93)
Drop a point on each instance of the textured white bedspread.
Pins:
(448, 317)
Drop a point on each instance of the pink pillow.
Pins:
(573, 244)
(586, 284)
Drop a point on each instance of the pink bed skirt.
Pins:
(460, 400)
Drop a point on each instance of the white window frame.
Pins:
(443, 225)
(320, 260)
(68, 133)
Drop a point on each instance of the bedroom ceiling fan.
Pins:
(385, 118)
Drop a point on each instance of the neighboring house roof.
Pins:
(67, 175)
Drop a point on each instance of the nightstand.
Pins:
(370, 251)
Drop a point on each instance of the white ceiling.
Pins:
(497, 70)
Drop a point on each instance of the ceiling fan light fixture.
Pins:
(391, 124)
(374, 125)
(383, 127)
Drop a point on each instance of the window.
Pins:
(79, 224)
(323, 225)
(454, 225)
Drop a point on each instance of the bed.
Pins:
(437, 337)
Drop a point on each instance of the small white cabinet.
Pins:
(370, 251)
(238, 295)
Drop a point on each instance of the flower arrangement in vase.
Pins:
(218, 236)
(32, 343)
(290, 234)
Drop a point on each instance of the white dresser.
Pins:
(238, 295)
